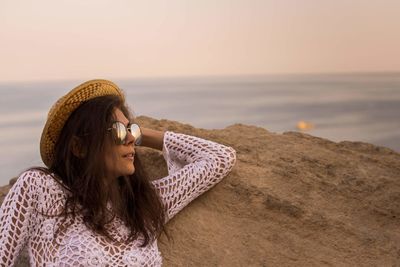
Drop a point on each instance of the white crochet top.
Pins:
(194, 166)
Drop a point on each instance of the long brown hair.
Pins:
(133, 198)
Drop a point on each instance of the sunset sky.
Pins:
(82, 39)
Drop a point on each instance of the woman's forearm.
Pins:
(152, 138)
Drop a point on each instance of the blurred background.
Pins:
(327, 68)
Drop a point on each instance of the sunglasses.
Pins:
(120, 132)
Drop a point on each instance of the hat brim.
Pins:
(62, 109)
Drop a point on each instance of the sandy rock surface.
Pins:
(291, 200)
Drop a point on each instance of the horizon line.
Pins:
(194, 76)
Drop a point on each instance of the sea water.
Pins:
(355, 107)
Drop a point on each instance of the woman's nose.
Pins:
(130, 139)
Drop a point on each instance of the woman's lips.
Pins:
(129, 156)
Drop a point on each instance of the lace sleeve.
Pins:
(194, 166)
(15, 219)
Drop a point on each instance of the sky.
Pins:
(84, 39)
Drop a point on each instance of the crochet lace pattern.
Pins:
(194, 166)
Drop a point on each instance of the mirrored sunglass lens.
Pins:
(133, 128)
(120, 132)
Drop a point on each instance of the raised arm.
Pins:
(15, 218)
(194, 165)
(152, 138)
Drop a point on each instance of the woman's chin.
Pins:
(131, 171)
(125, 171)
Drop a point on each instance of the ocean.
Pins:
(355, 107)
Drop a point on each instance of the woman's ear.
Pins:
(77, 147)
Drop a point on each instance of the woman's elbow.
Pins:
(227, 162)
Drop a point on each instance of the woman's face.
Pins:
(119, 158)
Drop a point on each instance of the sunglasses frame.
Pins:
(133, 128)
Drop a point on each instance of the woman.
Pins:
(93, 204)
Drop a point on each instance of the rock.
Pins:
(12, 181)
(291, 200)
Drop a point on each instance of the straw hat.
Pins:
(62, 109)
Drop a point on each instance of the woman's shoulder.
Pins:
(39, 178)
(44, 187)
(36, 174)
